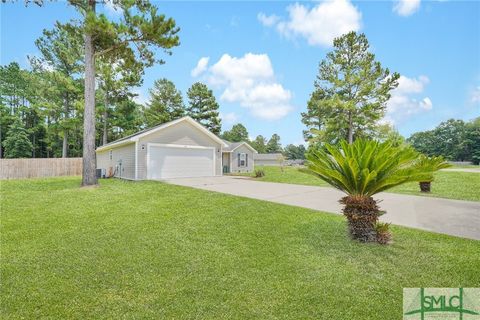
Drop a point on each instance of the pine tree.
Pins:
(166, 103)
(16, 95)
(115, 79)
(127, 118)
(203, 107)
(351, 91)
(17, 144)
(273, 145)
(61, 50)
(317, 115)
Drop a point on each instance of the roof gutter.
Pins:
(114, 145)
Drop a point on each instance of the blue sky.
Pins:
(261, 58)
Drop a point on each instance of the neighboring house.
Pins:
(238, 157)
(268, 159)
(177, 149)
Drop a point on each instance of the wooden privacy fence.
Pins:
(40, 167)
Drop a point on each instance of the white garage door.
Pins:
(175, 161)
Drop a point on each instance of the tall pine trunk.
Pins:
(350, 128)
(88, 175)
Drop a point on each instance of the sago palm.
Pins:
(430, 165)
(362, 169)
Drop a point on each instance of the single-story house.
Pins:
(268, 159)
(238, 157)
(177, 149)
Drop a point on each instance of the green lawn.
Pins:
(468, 166)
(447, 184)
(152, 250)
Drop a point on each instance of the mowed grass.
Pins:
(466, 166)
(447, 184)
(152, 250)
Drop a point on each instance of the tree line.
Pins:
(455, 140)
(41, 111)
(43, 118)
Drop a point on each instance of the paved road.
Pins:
(453, 217)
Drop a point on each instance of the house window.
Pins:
(242, 160)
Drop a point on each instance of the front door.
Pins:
(226, 162)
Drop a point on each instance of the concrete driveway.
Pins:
(453, 217)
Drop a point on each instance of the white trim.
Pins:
(180, 146)
(114, 145)
(164, 126)
(246, 144)
(174, 122)
(177, 146)
(136, 160)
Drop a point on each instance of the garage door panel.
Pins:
(166, 162)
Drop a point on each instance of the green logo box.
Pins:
(441, 303)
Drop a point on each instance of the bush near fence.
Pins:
(39, 167)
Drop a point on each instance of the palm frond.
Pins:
(366, 167)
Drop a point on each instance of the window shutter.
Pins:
(246, 159)
(239, 159)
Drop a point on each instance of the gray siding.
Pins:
(269, 159)
(103, 160)
(124, 154)
(182, 133)
(259, 162)
(234, 168)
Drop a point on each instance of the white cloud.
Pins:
(268, 21)
(140, 97)
(250, 81)
(318, 25)
(200, 67)
(229, 118)
(406, 7)
(475, 95)
(411, 85)
(405, 100)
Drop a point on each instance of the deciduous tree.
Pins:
(259, 144)
(293, 152)
(238, 133)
